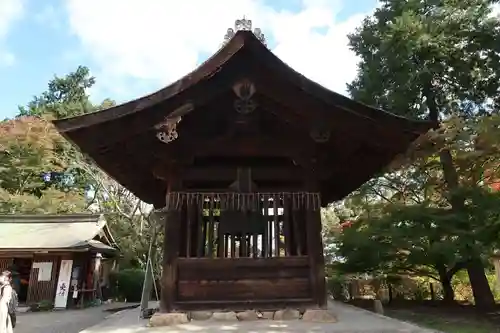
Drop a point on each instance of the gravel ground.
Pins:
(68, 321)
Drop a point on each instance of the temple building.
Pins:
(238, 157)
(58, 260)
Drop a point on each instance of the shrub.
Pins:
(338, 287)
(127, 284)
(44, 305)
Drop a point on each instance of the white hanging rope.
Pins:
(242, 201)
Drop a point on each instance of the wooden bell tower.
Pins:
(238, 157)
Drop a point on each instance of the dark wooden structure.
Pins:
(240, 155)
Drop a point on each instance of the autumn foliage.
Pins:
(31, 148)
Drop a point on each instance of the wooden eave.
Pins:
(108, 236)
(106, 134)
(44, 251)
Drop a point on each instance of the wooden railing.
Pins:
(226, 250)
(235, 225)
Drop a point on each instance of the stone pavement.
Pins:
(351, 320)
(64, 321)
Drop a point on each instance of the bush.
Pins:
(421, 291)
(338, 287)
(127, 284)
(44, 305)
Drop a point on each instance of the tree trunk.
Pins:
(445, 279)
(480, 287)
(433, 293)
(448, 292)
(475, 269)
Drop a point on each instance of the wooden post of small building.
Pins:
(171, 250)
(96, 283)
(315, 248)
(149, 275)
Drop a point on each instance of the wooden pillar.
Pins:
(296, 219)
(193, 225)
(95, 275)
(316, 258)
(266, 251)
(171, 246)
(183, 232)
(287, 227)
(315, 248)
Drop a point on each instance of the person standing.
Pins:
(16, 281)
(7, 315)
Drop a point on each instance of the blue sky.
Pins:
(53, 37)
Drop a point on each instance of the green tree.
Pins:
(435, 60)
(32, 169)
(37, 166)
(65, 97)
(128, 217)
(415, 240)
(404, 222)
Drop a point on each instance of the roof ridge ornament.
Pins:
(244, 25)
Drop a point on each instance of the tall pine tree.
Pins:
(433, 59)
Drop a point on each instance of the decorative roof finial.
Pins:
(244, 25)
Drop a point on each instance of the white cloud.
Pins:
(10, 11)
(160, 41)
(48, 16)
(7, 58)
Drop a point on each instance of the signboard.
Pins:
(63, 281)
(44, 270)
(236, 222)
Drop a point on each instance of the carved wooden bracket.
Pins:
(320, 132)
(167, 130)
(244, 89)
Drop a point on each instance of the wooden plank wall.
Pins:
(43, 290)
(5, 264)
(217, 283)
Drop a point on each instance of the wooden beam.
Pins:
(263, 189)
(301, 151)
(223, 173)
(244, 180)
